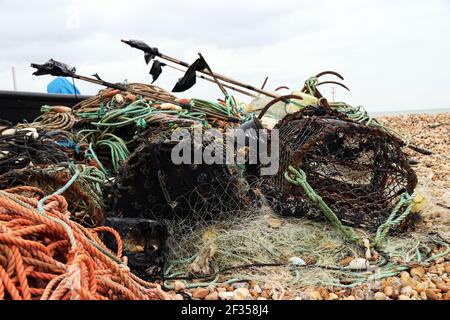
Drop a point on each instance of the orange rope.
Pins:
(37, 260)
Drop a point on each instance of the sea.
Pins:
(393, 112)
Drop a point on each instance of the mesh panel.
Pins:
(360, 172)
(150, 185)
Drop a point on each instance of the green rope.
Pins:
(311, 85)
(59, 221)
(66, 227)
(299, 179)
(93, 155)
(393, 220)
(359, 114)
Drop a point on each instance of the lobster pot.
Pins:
(84, 202)
(360, 172)
(150, 185)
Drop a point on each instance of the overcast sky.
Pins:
(394, 54)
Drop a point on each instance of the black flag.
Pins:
(53, 68)
(97, 76)
(189, 78)
(156, 69)
(150, 53)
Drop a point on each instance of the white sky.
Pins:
(394, 54)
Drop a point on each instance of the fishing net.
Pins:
(84, 197)
(22, 148)
(360, 172)
(287, 253)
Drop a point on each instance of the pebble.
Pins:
(242, 294)
(179, 297)
(441, 285)
(376, 285)
(315, 295)
(332, 296)
(358, 294)
(344, 262)
(447, 268)
(254, 294)
(226, 295)
(238, 285)
(380, 296)
(179, 286)
(277, 296)
(406, 291)
(200, 293)
(358, 263)
(389, 291)
(324, 293)
(431, 294)
(257, 289)
(396, 282)
(403, 297)
(369, 295)
(404, 274)
(421, 286)
(447, 296)
(296, 261)
(408, 281)
(212, 296)
(418, 271)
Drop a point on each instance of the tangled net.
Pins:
(288, 253)
(44, 255)
(20, 148)
(360, 172)
(84, 196)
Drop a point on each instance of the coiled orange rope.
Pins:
(40, 260)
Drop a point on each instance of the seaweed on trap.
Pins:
(359, 171)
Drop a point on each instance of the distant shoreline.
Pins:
(407, 112)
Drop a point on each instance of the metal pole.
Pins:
(13, 71)
(212, 80)
(221, 77)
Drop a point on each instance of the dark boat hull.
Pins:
(17, 106)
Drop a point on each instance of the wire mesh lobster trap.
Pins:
(360, 172)
(84, 197)
(151, 185)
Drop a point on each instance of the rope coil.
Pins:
(44, 255)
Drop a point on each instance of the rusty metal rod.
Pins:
(216, 75)
(212, 80)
